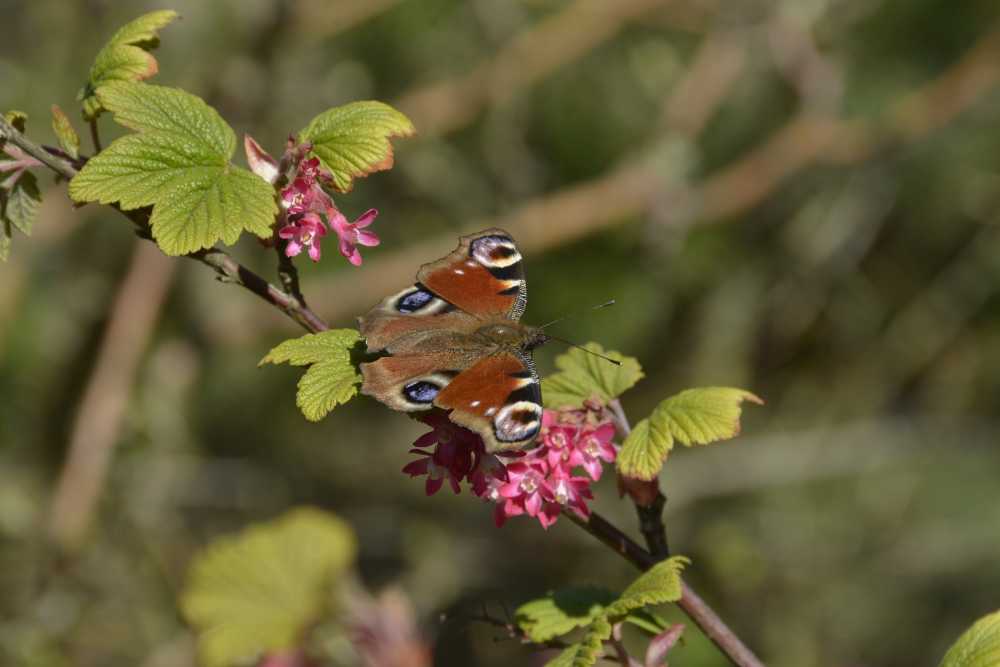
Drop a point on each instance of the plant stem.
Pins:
(690, 603)
(646, 496)
(94, 136)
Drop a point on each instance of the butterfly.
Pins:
(454, 341)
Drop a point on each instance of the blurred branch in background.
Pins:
(637, 185)
(99, 415)
(325, 19)
(532, 55)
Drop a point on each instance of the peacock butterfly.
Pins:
(454, 342)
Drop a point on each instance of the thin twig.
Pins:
(94, 136)
(57, 164)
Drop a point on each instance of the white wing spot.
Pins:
(474, 404)
(490, 412)
(460, 272)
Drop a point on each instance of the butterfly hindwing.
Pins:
(409, 382)
(499, 397)
(484, 276)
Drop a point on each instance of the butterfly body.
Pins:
(455, 342)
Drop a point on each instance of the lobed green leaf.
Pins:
(583, 376)
(979, 646)
(592, 644)
(18, 210)
(262, 589)
(178, 163)
(353, 140)
(566, 658)
(125, 57)
(657, 585)
(692, 417)
(331, 378)
(561, 611)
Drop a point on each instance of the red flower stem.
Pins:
(649, 504)
(221, 262)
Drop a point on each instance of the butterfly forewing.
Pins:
(483, 276)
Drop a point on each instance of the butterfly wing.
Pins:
(499, 398)
(413, 313)
(410, 382)
(484, 276)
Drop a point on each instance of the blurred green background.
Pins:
(799, 198)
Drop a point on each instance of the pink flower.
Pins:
(539, 483)
(526, 486)
(572, 492)
(304, 196)
(594, 445)
(456, 454)
(353, 234)
(304, 232)
(558, 440)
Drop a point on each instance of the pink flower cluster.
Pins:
(539, 483)
(309, 210)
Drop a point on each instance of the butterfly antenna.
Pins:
(610, 302)
(580, 347)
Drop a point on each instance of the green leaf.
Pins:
(18, 209)
(588, 650)
(692, 417)
(179, 164)
(583, 376)
(331, 378)
(592, 644)
(657, 585)
(566, 658)
(353, 140)
(561, 611)
(69, 140)
(125, 57)
(264, 588)
(647, 621)
(979, 646)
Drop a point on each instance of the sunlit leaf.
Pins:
(354, 140)
(66, 134)
(692, 417)
(979, 646)
(178, 163)
(657, 585)
(582, 376)
(125, 57)
(331, 378)
(263, 589)
(561, 611)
